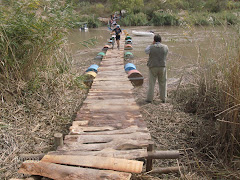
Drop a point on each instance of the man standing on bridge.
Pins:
(157, 68)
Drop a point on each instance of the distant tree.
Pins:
(128, 5)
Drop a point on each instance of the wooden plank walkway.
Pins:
(109, 124)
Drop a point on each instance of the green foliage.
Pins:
(30, 32)
(216, 5)
(128, 5)
(139, 19)
(92, 21)
(199, 19)
(164, 18)
(205, 19)
(232, 19)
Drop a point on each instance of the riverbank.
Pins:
(161, 13)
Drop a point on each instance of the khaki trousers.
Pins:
(159, 73)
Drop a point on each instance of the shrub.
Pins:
(216, 5)
(231, 19)
(92, 21)
(202, 19)
(164, 18)
(139, 19)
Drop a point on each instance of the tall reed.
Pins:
(216, 94)
(39, 94)
(31, 31)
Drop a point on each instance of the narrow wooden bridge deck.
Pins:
(109, 125)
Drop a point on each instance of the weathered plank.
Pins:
(101, 106)
(91, 139)
(94, 129)
(118, 144)
(61, 172)
(80, 123)
(108, 163)
(127, 102)
(107, 152)
(118, 120)
(117, 87)
(74, 130)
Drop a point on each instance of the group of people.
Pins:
(156, 65)
(113, 19)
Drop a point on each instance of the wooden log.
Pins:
(166, 170)
(163, 155)
(108, 163)
(58, 139)
(61, 172)
(149, 161)
(125, 154)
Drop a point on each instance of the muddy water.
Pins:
(184, 45)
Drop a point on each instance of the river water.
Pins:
(187, 45)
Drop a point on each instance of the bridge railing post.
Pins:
(149, 164)
(58, 140)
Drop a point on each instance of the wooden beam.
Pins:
(61, 172)
(149, 161)
(58, 139)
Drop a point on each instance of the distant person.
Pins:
(157, 68)
(117, 31)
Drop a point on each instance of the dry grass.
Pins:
(176, 126)
(29, 118)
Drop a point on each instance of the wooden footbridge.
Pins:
(108, 136)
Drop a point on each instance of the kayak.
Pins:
(142, 33)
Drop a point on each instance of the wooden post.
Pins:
(58, 138)
(149, 164)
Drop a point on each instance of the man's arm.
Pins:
(147, 50)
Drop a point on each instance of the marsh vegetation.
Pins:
(40, 91)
